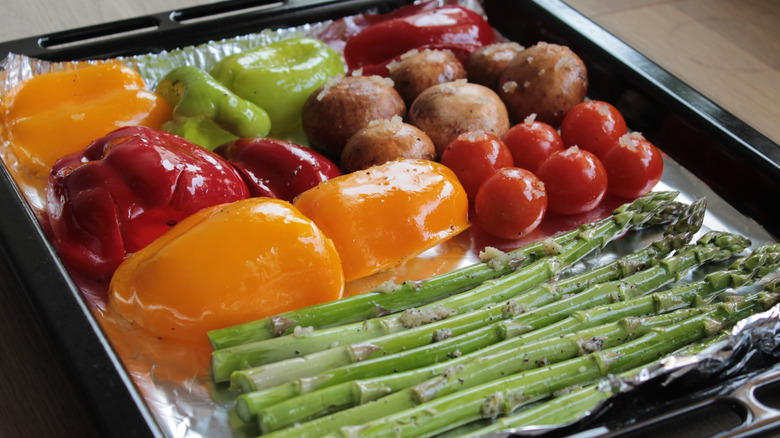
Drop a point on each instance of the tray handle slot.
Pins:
(98, 32)
(223, 9)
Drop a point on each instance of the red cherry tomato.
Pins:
(531, 142)
(575, 180)
(634, 166)
(473, 157)
(510, 203)
(593, 125)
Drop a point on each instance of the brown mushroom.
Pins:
(420, 69)
(445, 110)
(343, 106)
(385, 140)
(485, 65)
(546, 80)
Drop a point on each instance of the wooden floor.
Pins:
(727, 49)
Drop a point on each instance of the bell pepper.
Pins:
(206, 112)
(279, 77)
(275, 168)
(126, 189)
(385, 214)
(55, 114)
(453, 27)
(262, 257)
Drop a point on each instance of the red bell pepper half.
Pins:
(277, 169)
(455, 28)
(125, 190)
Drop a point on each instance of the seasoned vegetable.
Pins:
(206, 113)
(382, 215)
(279, 77)
(474, 156)
(486, 65)
(594, 125)
(634, 166)
(385, 140)
(60, 113)
(342, 107)
(531, 142)
(447, 110)
(225, 265)
(545, 79)
(419, 69)
(125, 190)
(510, 203)
(277, 168)
(575, 181)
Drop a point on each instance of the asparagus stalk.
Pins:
(476, 370)
(502, 396)
(344, 340)
(709, 248)
(743, 271)
(574, 405)
(656, 207)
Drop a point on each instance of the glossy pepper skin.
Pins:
(125, 190)
(453, 28)
(388, 213)
(275, 168)
(55, 114)
(205, 112)
(279, 77)
(263, 257)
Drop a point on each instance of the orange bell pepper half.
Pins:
(55, 114)
(225, 265)
(388, 213)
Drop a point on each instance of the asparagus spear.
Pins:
(710, 248)
(574, 405)
(344, 339)
(652, 208)
(502, 396)
(743, 271)
(476, 370)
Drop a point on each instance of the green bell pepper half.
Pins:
(279, 77)
(206, 112)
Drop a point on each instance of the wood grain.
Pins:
(727, 50)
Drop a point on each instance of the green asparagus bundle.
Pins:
(345, 395)
(344, 341)
(653, 208)
(745, 270)
(502, 396)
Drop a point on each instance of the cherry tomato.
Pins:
(634, 166)
(474, 156)
(575, 180)
(531, 142)
(511, 203)
(594, 125)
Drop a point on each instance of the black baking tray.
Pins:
(733, 159)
